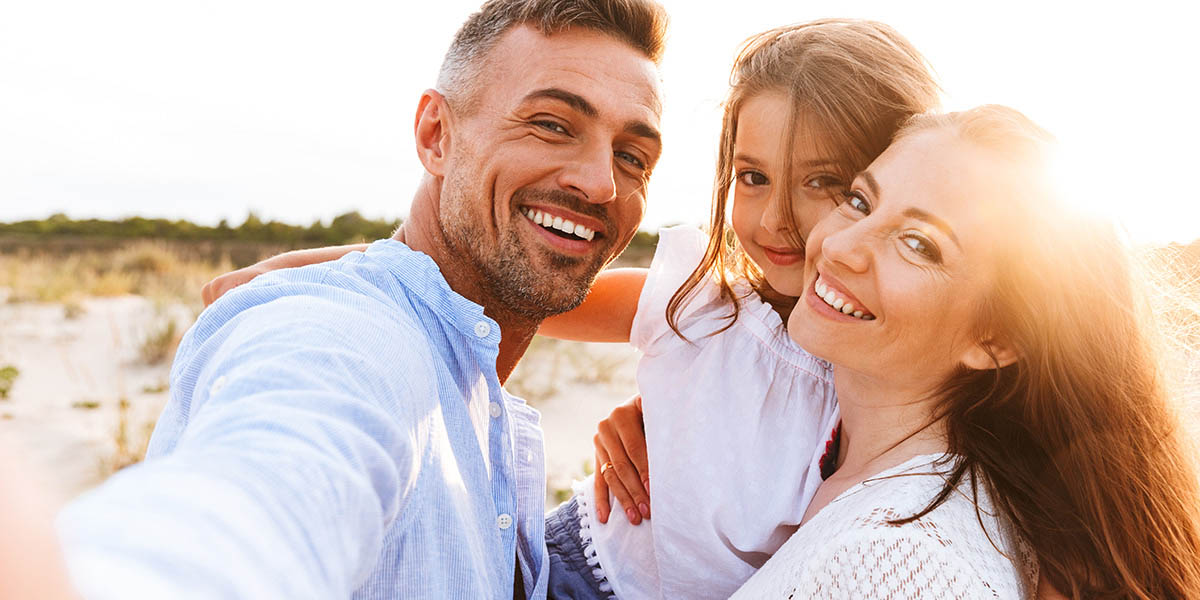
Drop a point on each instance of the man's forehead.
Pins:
(608, 72)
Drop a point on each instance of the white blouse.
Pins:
(850, 550)
(736, 424)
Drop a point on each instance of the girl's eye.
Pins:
(551, 126)
(631, 159)
(753, 178)
(856, 201)
(923, 247)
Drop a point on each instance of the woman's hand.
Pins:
(223, 283)
(621, 463)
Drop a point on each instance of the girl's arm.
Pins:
(606, 315)
(296, 258)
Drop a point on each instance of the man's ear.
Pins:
(988, 354)
(431, 131)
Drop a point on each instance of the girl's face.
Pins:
(896, 275)
(759, 151)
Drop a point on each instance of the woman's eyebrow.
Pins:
(943, 226)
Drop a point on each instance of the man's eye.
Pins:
(753, 178)
(856, 201)
(551, 126)
(631, 159)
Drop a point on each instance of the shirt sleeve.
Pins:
(679, 251)
(298, 453)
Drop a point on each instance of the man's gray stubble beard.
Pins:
(509, 278)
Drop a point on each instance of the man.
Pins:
(340, 430)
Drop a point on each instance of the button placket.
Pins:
(504, 521)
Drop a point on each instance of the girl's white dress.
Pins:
(849, 549)
(736, 423)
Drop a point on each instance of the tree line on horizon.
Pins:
(346, 228)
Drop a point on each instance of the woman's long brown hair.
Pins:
(851, 82)
(1078, 440)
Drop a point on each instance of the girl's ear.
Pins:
(988, 354)
(431, 131)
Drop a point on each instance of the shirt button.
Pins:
(504, 521)
(482, 329)
(494, 409)
(217, 385)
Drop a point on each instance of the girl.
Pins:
(731, 404)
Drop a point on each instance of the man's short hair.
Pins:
(640, 23)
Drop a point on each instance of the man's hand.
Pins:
(621, 463)
(30, 562)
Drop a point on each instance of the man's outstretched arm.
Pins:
(288, 460)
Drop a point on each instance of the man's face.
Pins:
(546, 177)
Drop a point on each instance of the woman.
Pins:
(1005, 410)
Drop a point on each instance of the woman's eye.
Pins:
(753, 178)
(856, 201)
(923, 247)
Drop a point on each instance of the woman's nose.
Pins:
(849, 246)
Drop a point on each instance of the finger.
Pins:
(603, 505)
(622, 477)
(632, 431)
(206, 293)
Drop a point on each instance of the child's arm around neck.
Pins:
(606, 315)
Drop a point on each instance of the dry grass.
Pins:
(153, 269)
(8, 376)
(131, 443)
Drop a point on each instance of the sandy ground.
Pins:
(65, 411)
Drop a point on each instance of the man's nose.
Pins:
(591, 175)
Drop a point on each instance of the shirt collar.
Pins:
(420, 275)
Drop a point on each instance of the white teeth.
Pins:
(826, 293)
(563, 225)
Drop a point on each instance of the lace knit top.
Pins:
(850, 550)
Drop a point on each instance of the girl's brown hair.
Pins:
(1077, 440)
(853, 82)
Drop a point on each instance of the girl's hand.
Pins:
(621, 463)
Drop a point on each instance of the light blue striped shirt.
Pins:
(333, 431)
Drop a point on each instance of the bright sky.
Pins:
(301, 110)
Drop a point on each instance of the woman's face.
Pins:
(896, 275)
(759, 153)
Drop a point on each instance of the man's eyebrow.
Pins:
(917, 213)
(643, 129)
(575, 101)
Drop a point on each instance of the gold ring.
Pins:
(606, 466)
